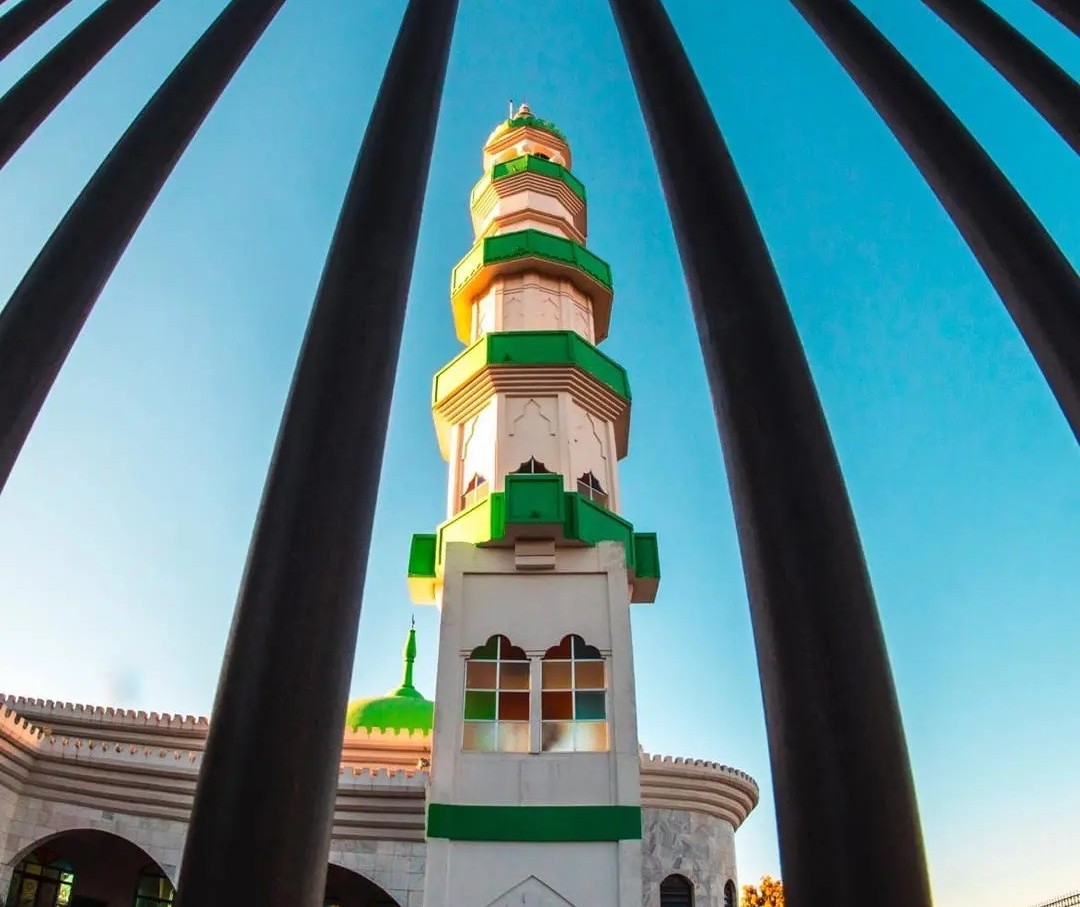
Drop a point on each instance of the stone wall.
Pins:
(395, 866)
(699, 847)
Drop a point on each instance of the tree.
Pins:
(769, 892)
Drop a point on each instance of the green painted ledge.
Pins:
(535, 506)
(530, 163)
(536, 123)
(529, 348)
(544, 824)
(527, 243)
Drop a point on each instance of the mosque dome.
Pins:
(525, 117)
(402, 709)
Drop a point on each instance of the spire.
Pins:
(409, 653)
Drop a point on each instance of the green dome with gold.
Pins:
(402, 709)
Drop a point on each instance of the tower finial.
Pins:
(410, 657)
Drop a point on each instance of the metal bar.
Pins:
(269, 776)
(38, 93)
(1047, 87)
(1039, 287)
(1065, 11)
(22, 21)
(845, 801)
(43, 318)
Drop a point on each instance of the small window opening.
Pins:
(153, 888)
(676, 891)
(589, 486)
(729, 894)
(532, 467)
(475, 491)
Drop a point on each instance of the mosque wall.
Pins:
(699, 847)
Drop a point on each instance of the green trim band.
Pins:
(530, 163)
(534, 824)
(525, 244)
(528, 348)
(536, 123)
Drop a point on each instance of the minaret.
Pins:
(535, 778)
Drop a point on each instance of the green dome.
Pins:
(403, 709)
(525, 117)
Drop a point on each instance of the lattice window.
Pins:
(153, 888)
(589, 486)
(41, 881)
(475, 491)
(573, 705)
(497, 698)
(676, 891)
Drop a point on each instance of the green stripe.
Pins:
(529, 243)
(533, 823)
(528, 348)
(542, 166)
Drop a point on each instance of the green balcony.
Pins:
(530, 348)
(530, 163)
(523, 250)
(534, 507)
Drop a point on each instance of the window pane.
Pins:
(489, 651)
(589, 675)
(558, 736)
(479, 706)
(589, 705)
(557, 706)
(514, 706)
(480, 675)
(591, 737)
(64, 895)
(583, 650)
(513, 736)
(513, 675)
(562, 650)
(556, 675)
(479, 736)
(28, 894)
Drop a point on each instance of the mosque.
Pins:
(522, 782)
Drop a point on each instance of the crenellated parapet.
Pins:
(697, 785)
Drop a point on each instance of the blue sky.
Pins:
(124, 527)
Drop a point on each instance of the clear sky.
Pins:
(124, 527)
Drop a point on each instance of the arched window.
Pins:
(589, 486)
(153, 888)
(573, 705)
(497, 698)
(532, 467)
(475, 491)
(676, 891)
(729, 894)
(41, 881)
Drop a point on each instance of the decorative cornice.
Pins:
(697, 785)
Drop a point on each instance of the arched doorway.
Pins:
(345, 888)
(87, 868)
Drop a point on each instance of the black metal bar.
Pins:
(30, 100)
(269, 776)
(1039, 287)
(1047, 87)
(1065, 11)
(43, 318)
(22, 21)
(845, 801)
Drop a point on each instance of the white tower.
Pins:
(535, 778)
